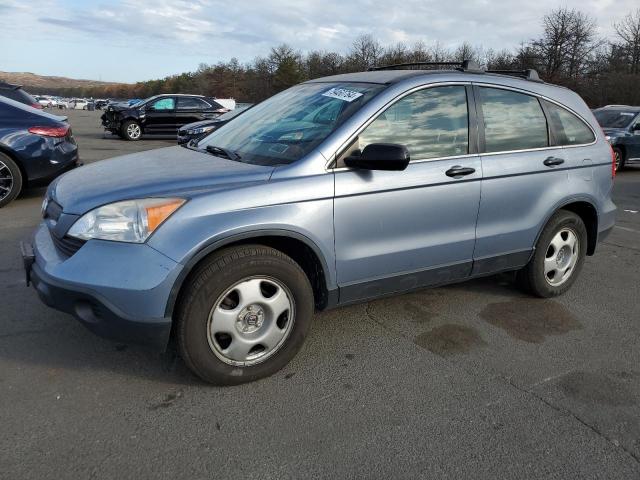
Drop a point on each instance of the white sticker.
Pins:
(628, 114)
(342, 94)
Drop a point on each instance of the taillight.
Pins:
(50, 131)
(36, 105)
(613, 162)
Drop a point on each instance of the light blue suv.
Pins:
(335, 191)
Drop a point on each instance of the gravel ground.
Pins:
(474, 380)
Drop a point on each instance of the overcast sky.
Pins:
(131, 40)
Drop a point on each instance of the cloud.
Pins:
(216, 30)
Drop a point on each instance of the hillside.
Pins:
(44, 84)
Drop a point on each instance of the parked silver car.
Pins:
(338, 190)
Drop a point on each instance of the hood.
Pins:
(163, 172)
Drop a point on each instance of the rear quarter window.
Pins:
(567, 128)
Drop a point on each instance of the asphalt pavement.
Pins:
(475, 380)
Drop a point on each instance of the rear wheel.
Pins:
(10, 180)
(558, 257)
(131, 130)
(620, 160)
(244, 314)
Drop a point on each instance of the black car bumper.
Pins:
(93, 312)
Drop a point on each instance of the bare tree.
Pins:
(628, 29)
(365, 52)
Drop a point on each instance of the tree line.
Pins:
(568, 52)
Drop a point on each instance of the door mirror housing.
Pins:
(380, 156)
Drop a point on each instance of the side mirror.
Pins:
(380, 156)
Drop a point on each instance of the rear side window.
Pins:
(18, 95)
(188, 103)
(512, 121)
(567, 128)
(431, 123)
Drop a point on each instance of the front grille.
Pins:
(67, 245)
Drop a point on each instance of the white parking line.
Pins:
(630, 211)
(627, 229)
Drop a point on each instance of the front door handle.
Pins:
(553, 161)
(459, 171)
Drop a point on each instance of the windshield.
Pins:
(289, 125)
(614, 118)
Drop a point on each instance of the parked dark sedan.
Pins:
(197, 130)
(162, 114)
(621, 125)
(35, 147)
(15, 92)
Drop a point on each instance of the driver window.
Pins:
(431, 123)
(164, 104)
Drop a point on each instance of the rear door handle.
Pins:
(459, 171)
(553, 161)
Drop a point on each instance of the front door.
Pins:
(399, 230)
(160, 116)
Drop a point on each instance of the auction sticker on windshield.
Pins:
(342, 94)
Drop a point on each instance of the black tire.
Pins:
(532, 277)
(127, 132)
(10, 180)
(212, 279)
(620, 160)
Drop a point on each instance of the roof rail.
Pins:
(528, 74)
(463, 66)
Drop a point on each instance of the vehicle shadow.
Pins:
(46, 340)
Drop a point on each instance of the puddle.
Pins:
(530, 320)
(450, 339)
(596, 388)
(416, 308)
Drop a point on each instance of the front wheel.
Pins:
(131, 130)
(244, 314)
(558, 257)
(10, 180)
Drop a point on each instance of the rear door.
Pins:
(524, 176)
(160, 116)
(399, 230)
(189, 110)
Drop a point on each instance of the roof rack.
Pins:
(463, 66)
(528, 74)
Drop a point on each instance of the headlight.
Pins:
(198, 131)
(607, 138)
(128, 221)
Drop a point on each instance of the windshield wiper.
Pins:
(223, 152)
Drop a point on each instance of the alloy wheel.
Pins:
(6, 180)
(134, 131)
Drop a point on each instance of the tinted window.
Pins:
(191, 103)
(614, 118)
(164, 104)
(512, 121)
(431, 123)
(567, 128)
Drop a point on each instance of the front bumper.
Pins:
(118, 291)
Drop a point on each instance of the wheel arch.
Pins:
(587, 211)
(297, 246)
